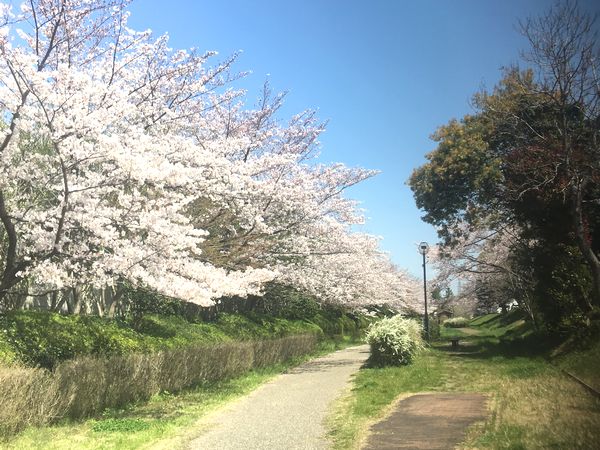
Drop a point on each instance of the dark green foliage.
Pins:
(125, 425)
(278, 301)
(434, 329)
(158, 332)
(140, 302)
(335, 323)
(538, 175)
(560, 289)
(248, 318)
(43, 339)
(361, 321)
(286, 302)
(460, 178)
(255, 326)
(563, 287)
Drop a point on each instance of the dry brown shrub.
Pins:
(28, 396)
(85, 386)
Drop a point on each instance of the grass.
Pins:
(532, 403)
(163, 418)
(580, 364)
(167, 421)
(45, 339)
(580, 356)
(55, 366)
(373, 391)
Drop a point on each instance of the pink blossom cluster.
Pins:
(123, 159)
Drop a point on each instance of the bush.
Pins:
(434, 329)
(85, 386)
(28, 397)
(286, 302)
(394, 340)
(456, 322)
(43, 339)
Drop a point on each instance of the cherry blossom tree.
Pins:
(97, 166)
(484, 261)
(123, 159)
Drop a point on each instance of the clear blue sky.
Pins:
(384, 73)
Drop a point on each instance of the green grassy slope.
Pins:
(45, 339)
(532, 403)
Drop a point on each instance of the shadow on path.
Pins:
(320, 365)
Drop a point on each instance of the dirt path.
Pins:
(287, 412)
(428, 421)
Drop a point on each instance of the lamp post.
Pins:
(423, 249)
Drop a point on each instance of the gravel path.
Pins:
(287, 412)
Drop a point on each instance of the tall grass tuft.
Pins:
(456, 322)
(28, 396)
(85, 386)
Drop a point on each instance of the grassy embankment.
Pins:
(83, 342)
(166, 421)
(532, 403)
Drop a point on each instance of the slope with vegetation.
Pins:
(532, 403)
(59, 366)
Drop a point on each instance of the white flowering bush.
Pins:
(394, 340)
(456, 322)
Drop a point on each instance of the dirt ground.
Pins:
(428, 421)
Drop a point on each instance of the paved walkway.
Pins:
(286, 413)
(428, 421)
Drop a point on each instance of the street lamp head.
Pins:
(423, 248)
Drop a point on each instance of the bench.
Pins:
(454, 342)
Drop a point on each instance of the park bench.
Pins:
(454, 342)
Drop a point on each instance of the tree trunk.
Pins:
(106, 294)
(73, 303)
(54, 301)
(115, 297)
(10, 270)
